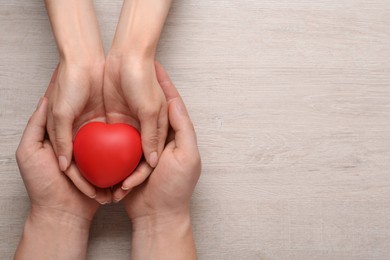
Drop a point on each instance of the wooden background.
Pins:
(291, 103)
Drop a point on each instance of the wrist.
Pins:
(130, 64)
(135, 35)
(75, 29)
(163, 236)
(132, 52)
(59, 218)
(51, 234)
(159, 222)
(85, 59)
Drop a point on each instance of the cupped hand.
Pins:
(50, 191)
(75, 97)
(132, 95)
(170, 185)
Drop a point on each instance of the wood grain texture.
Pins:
(291, 102)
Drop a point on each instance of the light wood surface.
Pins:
(291, 103)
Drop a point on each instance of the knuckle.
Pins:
(61, 143)
(151, 139)
(149, 112)
(60, 111)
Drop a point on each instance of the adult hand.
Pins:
(60, 215)
(133, 95)
(131, 90)
(75, 97)
(159, 207)
(76, 94)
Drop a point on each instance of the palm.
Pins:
(169, 187)
(48, 187)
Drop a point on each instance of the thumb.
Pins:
(36, 126)
(63, 139)
(52, 81)
(182, 126)
(149, 136)
(177, 113)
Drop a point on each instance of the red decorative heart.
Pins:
(107, 153)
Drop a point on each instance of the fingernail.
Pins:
(124, 188)
(102, 202)
(40, 103)
(93, 196)
(116, 200)
(153, 158)
(63, 163)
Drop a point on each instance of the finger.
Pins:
(50, 128)
(63, 122)
(49, 124)
(162, 129)
(165, 82)
(138, 176)
(171, 135)
(36, 126)
(119, 194)
(141, 173)
(177, 112)
(149, 137)
(80, 182)
(181, 124)
(52, 80)
(103, 196)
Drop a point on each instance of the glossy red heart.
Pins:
(107, 153)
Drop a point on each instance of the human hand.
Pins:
(74, 98)
(76, 94)
(60, 215)
(133, 95)
(131, 90)
(159, 207)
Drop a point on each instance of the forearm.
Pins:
(163, 237)
(75, 29)
(53, 235)
(139, 27)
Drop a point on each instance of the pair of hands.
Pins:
(156, 204)
(122, 87)
(130, 93)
